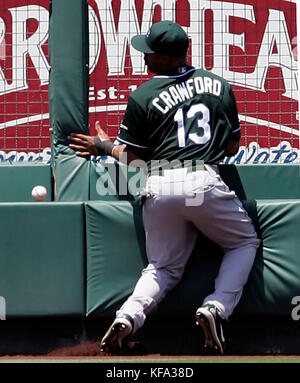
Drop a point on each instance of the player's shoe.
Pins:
(209, 319)
(116, 336)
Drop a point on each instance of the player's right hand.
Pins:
(84, 145)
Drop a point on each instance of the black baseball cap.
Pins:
(164, 37)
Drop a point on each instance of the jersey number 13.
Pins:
(202, 115)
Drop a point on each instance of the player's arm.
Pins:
(99, 145)
(123, 154)
(231, 114)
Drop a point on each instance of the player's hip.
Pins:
(183, 181)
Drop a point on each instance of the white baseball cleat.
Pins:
(115, 337)
(210, 320)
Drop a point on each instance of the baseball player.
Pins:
(181, 115)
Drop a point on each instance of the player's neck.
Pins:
(179, 69)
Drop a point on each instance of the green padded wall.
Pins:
(68, 95)
(42, 259)
(115, 252)
(71, 177)
(69, 50)
(18, 179)
(270, 181)
(112, 181)
(115, 260)
(275, 278)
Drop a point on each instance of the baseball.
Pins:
(39, 193)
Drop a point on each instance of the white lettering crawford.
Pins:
(186, 90)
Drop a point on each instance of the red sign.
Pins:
(24, 75)
(251, 43)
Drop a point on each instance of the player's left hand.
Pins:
(85, 145)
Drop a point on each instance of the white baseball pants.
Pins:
(182, 204)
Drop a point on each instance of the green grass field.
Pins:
(159, 359)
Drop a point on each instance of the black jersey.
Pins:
(186, 116)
